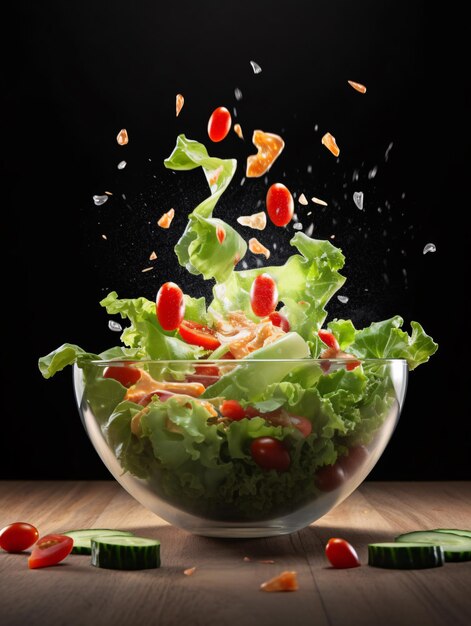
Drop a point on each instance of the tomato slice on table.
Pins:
(341, 554)
(198, 335)
(18, 536)
(124, 374)
(49, 550)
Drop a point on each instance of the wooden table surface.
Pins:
(224, 590)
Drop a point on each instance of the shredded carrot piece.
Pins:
(357, 86)
(286, 581)
(166, 219)
(269, 148)
(122, 137)
(180, 101)
(329, 142)
(238, 131)
(257, 248)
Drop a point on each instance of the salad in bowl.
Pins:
(248, 415)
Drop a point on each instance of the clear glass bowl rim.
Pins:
(130, 361)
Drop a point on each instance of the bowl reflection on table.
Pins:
(178, 452)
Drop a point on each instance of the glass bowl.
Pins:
(249, 448)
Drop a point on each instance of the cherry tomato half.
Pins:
(341, 554)
(198, 335)
(280, 204)
(329, 339)
(18, 536)
(49, 550)
(277, 319)
(263, 295)
(170, 306)
(219, 124)
(233, 410)
(124, 374)
(270, 454)
(329, 477)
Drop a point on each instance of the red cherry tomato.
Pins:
(198, 335)
(341, 554)
(18, 536)
(329, 339)
(207, 375)
(170, 306)
(280, 204)
(329, 477)
(219, 124)
(354, 458)
(49, 550)
(124, 374)
(263, 295)
(233, 410)
(279, 320)
(270, 453)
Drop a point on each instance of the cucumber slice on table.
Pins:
(455, 547)
(402, 555)
(82, 544)
(125, 552)
(454, 531)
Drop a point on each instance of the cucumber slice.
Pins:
(455, 547)
(125, 552)
(454, 531)
(402, 555)
(82, 538)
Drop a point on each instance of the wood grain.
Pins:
(224, 590)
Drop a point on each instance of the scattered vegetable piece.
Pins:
(280, 205)
(238, 131)
(257, 248)
(82, 538)
(357, 86)
(179, 102)
(455, 547)
(152, 256)
(408, 555)
(286, 581)
(257, 221)
(303, 200)
(329, 142)
(190, 571)
(166, 219)
(256, 67)
(122, 138)
(128, 553)
(219, 124)
(341, 554)
(318, 201)
(50, 550)
(18, 536)
(269, 146)
(170, 306)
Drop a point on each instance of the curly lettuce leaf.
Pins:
(199, 249)
(66, 354)
(310, 277)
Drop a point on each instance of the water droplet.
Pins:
(309, 169)
(99, 200)
(244, 265)
(237, 93)
(122, 165)
(298, 226)
(242, 182)
(309, 230)
(355, 175)
(372, 173)
(114, 326)
(388, 150)
(430, 247)
(358, 199)
(342, 299)
(316, 128)
(256, 67)
(235, 111)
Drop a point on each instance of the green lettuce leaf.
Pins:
(67, 354)
(198, 249)
(311, 277)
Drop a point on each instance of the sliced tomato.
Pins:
(277, 319)
(329, 339)
(50, 550)
(198, 335)
(124, 374)
(270, 453)
(341, 554)
(302, 424)
(232, 410)
(18, 536)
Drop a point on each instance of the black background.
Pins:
(78, 73)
